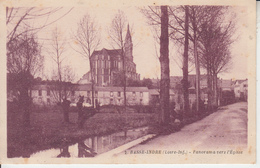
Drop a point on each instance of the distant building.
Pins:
(108, 64)
(176, 80)
(42, 95)
(48, 94)
(241, 89)
(115, 95)
(176, 85)
(226, 85)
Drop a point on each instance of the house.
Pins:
(115, 95)
(241, 89)
(43, 95)
(154, 96)
(226, 85)
(49, 94)
(107, 65)
(175, 80)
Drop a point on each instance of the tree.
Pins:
(63, 75)
(185, 69)
(189, 29)
(24, 60)
(165, 70)
(57, 55)
(116, 33)
(196, 15)
(88, 39)
(18, 20)
(62, 89)
(147, 82)
(179, 33)
(23, 50)
(215, 41)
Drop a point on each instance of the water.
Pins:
(95, 145)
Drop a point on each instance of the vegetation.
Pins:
(49, 131)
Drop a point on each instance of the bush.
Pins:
(45, 108)
(111, 108)
(144, 108)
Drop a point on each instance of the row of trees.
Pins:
(206, 33)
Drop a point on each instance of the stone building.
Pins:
(107, 65)
(42, 95)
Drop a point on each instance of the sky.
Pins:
(144, 53)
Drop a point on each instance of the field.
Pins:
(49, 131)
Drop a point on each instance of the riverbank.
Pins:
(49, 131)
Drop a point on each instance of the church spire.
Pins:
(128, 34)
(128, 45)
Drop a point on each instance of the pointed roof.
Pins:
(128, 34)
(240, 81)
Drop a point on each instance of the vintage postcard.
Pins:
(165, 82)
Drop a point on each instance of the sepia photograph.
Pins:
(134, 82)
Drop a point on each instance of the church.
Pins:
(107, 65)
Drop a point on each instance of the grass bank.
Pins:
(49, 131)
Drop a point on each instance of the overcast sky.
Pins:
(147, 64)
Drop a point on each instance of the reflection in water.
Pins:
(85, 151)
(64, 152)
(92, 146)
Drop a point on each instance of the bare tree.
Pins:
(116, 33)
(88, 39)
(19, 20)
(57, 54)
(195, 18)
(63, 75)
(179, 34)
(215, 41)
(189, 29)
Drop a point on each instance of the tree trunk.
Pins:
(209, 83)
(197, 76)
(25, 103)
(165, 70)
(215, 90)
(124, 80)
(92, 83)
(185, 65)
(24, 98)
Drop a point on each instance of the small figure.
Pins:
(80, 111)
(206, 104)
(173, 114)
(84, 113)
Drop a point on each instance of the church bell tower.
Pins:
(128, 45)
